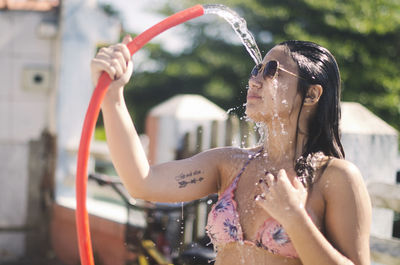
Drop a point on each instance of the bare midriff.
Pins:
(237, 253)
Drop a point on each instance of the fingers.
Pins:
(113, 60)
(124, 48)
(127, 38)
(269, 179)
(99, 65)
(265, 183)
(122, 51)
(298, 185)
(280, 181)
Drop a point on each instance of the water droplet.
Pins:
(230, 110)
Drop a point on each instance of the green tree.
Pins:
(363, 35)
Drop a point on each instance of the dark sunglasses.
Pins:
(270, 70)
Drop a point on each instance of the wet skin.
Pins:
(252, 216)
(324, 235)
(265, 96)
(275, 103)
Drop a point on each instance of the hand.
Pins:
(280, 198)
(115, 60)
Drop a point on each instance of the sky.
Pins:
(137, 16)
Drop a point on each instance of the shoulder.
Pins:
(231, 155)
(347, 211)
(230, 161)
(341, 170)
(342, 179)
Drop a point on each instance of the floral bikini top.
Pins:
(223, 224)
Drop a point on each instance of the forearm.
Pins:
(126, 150)
(311, 244)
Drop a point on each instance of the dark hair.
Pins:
(318, 66)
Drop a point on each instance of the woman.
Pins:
(293, 200)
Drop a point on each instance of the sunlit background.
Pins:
(186, 95)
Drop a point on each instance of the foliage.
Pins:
(109, 10)
(364, 36)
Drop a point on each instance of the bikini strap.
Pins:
(251, 157)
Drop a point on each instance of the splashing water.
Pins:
(229, 111)
(239, 25)
(182, 210)
(276, 116)
(263, 133)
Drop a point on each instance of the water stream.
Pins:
(240, 27)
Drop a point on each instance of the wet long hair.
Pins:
(318, 66)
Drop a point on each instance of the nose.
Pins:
(254, 83)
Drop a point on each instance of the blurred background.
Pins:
(186, 94)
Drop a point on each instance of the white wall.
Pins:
(83, 27)
(24, 109)
(57, 50)
(371, 144)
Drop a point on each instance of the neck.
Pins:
(283, 144)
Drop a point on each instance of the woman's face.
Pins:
(274, 98)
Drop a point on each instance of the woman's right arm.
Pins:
(175, 181)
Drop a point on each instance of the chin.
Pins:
(256, 116)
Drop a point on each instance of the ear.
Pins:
(313, 95)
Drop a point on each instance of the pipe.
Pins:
(81, 214)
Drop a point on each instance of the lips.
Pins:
(252, 96)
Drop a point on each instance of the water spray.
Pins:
(82, 218)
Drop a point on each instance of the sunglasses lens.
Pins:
(256, 70)
(270, 69)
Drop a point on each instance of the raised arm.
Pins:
(174, 181)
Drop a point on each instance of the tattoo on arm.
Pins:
(191, 177)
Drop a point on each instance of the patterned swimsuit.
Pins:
(223, 224)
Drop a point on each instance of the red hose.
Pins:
(82, 219)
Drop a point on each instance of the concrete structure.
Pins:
(45, 50)
(372, 145)
(168, 122)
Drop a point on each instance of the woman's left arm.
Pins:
(347, 218)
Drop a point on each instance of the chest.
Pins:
(252, 216)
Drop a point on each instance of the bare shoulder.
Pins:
(230, 162)
(342, 168)
(341, 177)
(347, 210)
(232, 155)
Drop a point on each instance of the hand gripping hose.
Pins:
(82, 220)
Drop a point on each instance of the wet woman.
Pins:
(292, 200)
